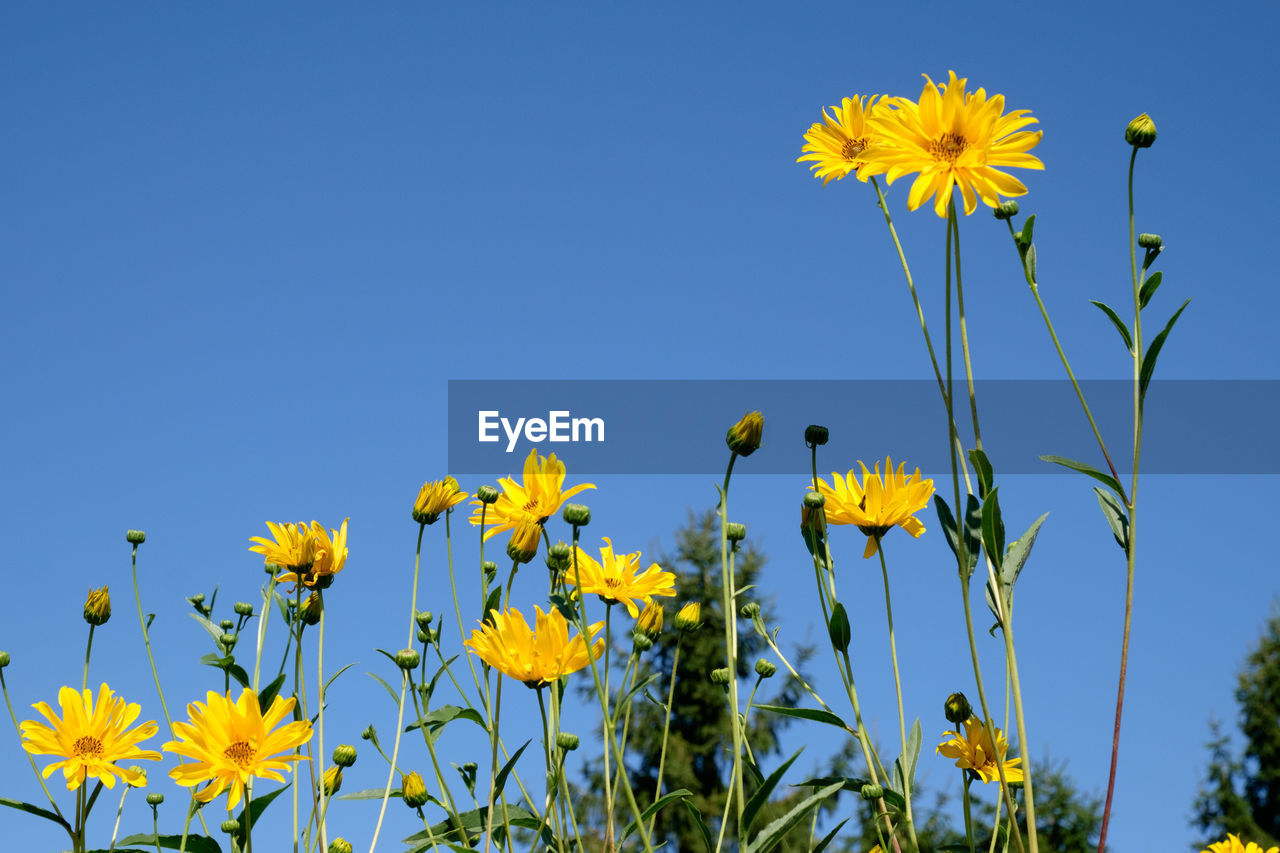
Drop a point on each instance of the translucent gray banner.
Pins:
(678, 426)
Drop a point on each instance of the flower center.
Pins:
(948, 147)
(853, 147)
(240, 753)
(87, 747)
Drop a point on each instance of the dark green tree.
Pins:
(1241, 792)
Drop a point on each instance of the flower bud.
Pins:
(344, 755)
(765, 668)
(735, 532)
(435, 498)
(566, 741)
(642, 643)
(839, 628)
(816, 436)
(340, 845)
(311, 607)
(228, 640)
(650, 621)
(424, 637)
(487, 494)
(1150, 242)
(4, 659)
(750, 610)
(230, 826)
(135, 537)
(523, 546)
(97, 607)
(690, 617)
(424, 618)
(957, 708)
(559, 557)
(197, 599)
(743, 437)
(369, 733)
(272, 569)
(872, 792)
(155, 798)
(407, 658)
(576, 515)
(720, 676)
(413, 790)
(136, 777)
(226, 624)
(1141, 132)
(1006, 210)
(490, 569)
(243, 608)
(331, 782)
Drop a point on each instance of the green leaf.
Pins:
(1118, 323)
(838, 628)
(906, 776)
(333, 677)
(501, 778)
(1117, 518)
(237, 672)
(855, 785)
(1149, 289)
(1028, 228)
(437, 718)
(431, 687)
(1106, 479)
(653, 809)
(972, 528)
(491, 604)
(701, 824)
(256, 809)
(268, 694)
(195, 843)
(830, 836)
(35, 810)
(394, 698)
(771, 836)
(1153, 352)
(1019, 550)
(986, 475)
(214, 630)
(367, 794)
(993, 528)
(761, 795)
(808, 714)
(472, 822)
(1029, 261)
(636, 688)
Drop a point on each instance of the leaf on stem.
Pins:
(1117, 518)
(1088, 470)
(1153, 352)
(1118, 323)
(1149, 289)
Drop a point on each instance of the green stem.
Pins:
(320, 820)
(88, 647)
(608, 723)
(964, 328)
(267, 601)
(155, 825)
(115, 831)
(968, 811)
(146, 639)
(666, 727)
(897, 684)
(731, 647)
(453, 588)
(4, 688)
(549, 814)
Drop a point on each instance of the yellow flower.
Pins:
(614, 577)
(836, 147)
(650, 621)
(1233, 844)
(330, 555)
(952, 138)
(294, 546)
(973, 751)
(436, 497)
(538, 498)
(97, 607)
(229, 742)
(690, 617)
(413, 790)
(878, 503)
(331, 781)
(90, 737)
(535, 657)
(744, 437)
(524, 540)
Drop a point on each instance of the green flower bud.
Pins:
(311, 607)
(226, 624)
(344, 755)
(230, 826)
(490, 569)
(471, 766)
(720, 676)
(559, 557)
(424, 637)
(97, 607)
(487, 494)
(816, 436)
(642, 643)
(271, 568)
(735, 532)
(576, 515)
(228, 640)
(1006, 210)
(1150, 242)
(1141, 132)
(243, 608)
(957, 708)
(4, 659)
(413, 790)
(566, 741)
(839, 628)
(744, 437)
(407, 658)
(424, 618)
(813, 500)
(340, 845)
(765, 668)
(155, 798)
(135, 537)
(750, 610)
(369, 733)
(872, 792)
(197, 599)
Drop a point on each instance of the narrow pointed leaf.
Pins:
(1106, 479)
(268, 694)
(808, 714)
(703, 830)
(654, 807)
(501, 778)
(986, 476)
(35, 810)
(1117, 518)
(1153, 352)
(1117, 322)
(993, 528)
(1149, 289)
(771, 836)
(973, 528)
(829, 837)
(195, 843)
(761, 796)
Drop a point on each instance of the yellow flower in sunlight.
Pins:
(436, 497)
(878, 503)
(952, 138)
(97, 607)
(331, 781)
(90, 737)
(330, 555)
(229, 742)
(614, 578)
(744, 437)
(524, 540)
(413, 790)
(973, 751)
(650, 621)
(1233, 844)
(294, 546)
(535, 657)
(836, 147)
(690, 617)
(538, 498)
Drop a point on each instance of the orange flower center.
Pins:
(948, 147)
(87, 747)
(853, 147)
(240, 754)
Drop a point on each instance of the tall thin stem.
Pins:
(897, 684)
(731, 648)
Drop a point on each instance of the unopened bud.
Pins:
(523, 546)
(311, 608)
(720, 676)
(331, 782)
(226, 624)
(735, 532)
(576, 515)
(744, 437)
(566, 741)
(228, 640)
(838, 628)
(97, 607)
(4, 659)
(424, 637)
(816, 436)
(413, 790)
(642, 643)
(957, 708)
(487, 494)
(490, 569)
(369, 733)
(872, 792)
(750, 610)
(155, 798)
(344, 755)
(407, 658)
(765, 668)
(340, 845)
(690, 617)
(1141, 132)
(559, 557)
(650, 621)
(424, 618)
(813, 500)
(230, 826)
(1150, 241)
(1006, 210)
(135, 537)
(197, 599)
(243, 608)
(272, 569)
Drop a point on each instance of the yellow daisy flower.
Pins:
(836, 147)
(436, 497)
(538, 498)
(90, 737)
(1233, 844)
(614, 578)
(228, 742)
(952, 138)
(329, 556)
(878, 503)
(535, 657)
(973, 751)
(294, 546)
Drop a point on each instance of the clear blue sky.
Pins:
(246, 248)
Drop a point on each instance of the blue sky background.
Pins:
(246, 248)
